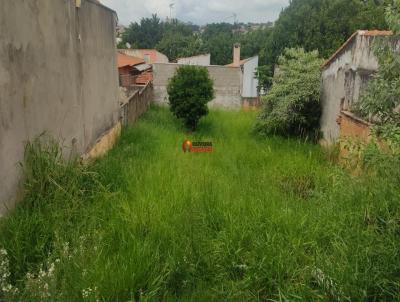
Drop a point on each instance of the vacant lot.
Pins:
(258, 219)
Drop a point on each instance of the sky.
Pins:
(198, 11)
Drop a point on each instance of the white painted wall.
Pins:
(250, 82)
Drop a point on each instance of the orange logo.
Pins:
(187, 146)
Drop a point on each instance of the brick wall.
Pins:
(352, 127)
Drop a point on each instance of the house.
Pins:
(133, 71)
(200, 60)
(344, 77)
(150, 56)
(235, 85)
(249, 85)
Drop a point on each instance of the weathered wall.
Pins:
(343, 81)
(58, 74)
(250, 82)
(201, 60)
(135, 102)
(227, 84)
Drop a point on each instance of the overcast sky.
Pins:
(198, 11)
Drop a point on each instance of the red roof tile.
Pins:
(124, 60)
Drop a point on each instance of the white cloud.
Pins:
(198, 11)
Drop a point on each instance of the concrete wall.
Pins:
(58, 73)
(343, 81)
(250, 82)
(227, 84)
(201, 60)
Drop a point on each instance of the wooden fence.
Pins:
(137, 104)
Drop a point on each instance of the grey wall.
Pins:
(344, 79)
(58, 74)
(227, 84)
(201, 60)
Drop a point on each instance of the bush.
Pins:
(380, 103)
(189, 91)
(292, 106)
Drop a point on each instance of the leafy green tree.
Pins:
(323, 25)
(189, 90)
(145, 34)
(220, 47)
(176, 45)
(292, 106)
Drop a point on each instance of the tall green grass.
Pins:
(258, 219)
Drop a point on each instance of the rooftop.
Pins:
(366, 33)
(124, 60)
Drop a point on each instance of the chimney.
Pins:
(236, 54)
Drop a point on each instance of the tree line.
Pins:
(321, 25)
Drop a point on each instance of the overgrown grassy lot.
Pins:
(259, 219)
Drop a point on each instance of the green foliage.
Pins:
(292, 106)
(381, 100)
(145, 34)
(189, 91)
(176, 45)
(311, 24)
(256, 220)
(323, 25)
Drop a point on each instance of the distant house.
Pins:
(249, 66)
(150, 56)
(235, 85)
(133, 71)
(345, 76)
(200, 60)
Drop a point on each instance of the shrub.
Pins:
(380, 103)
(189, 90)
(292, 106)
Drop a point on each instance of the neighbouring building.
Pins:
(150, 56)
(248, 67)
(235, 85)
(133, 71)
(200, 60)
(344, 77)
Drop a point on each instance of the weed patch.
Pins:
(149, 222)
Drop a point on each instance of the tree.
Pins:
(323, 25)
(292, 106)
(189, 90)
(144, 35)
(176, 45)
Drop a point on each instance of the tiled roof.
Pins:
(124, 60)
(367, 33)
